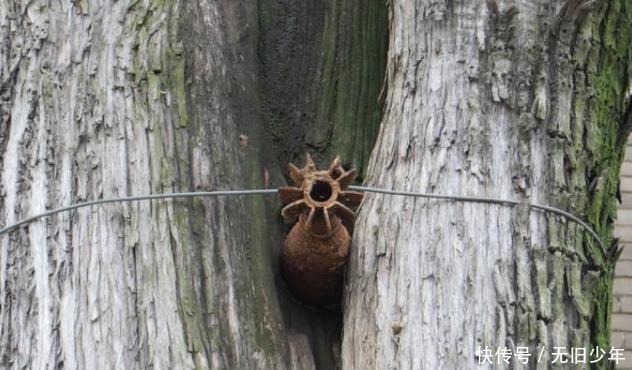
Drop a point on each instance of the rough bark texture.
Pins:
(102, 99)
(322, 70)
(512, 99)
(98, 104)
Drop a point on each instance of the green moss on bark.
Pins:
(606, 142)
(352, 83)
(320, 88)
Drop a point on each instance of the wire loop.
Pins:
(461, 198)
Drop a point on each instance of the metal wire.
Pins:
(460, 198)
(473, 199)
(140, 197)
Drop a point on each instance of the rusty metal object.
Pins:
(316, 249)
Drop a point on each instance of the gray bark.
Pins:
(517, 100)
(105, 99)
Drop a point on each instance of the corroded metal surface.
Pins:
(317, 247)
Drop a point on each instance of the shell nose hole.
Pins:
(321, 191)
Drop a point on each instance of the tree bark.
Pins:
(515, 100)
(97, 104)
(103, 99)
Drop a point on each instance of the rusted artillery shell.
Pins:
(316, 249)
(313, 265)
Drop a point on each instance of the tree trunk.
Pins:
(516, 100)
(112, 98)
(104, 99)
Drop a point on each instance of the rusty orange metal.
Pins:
(316, 249)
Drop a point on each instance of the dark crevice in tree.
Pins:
(321, 67)
(626, 122)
